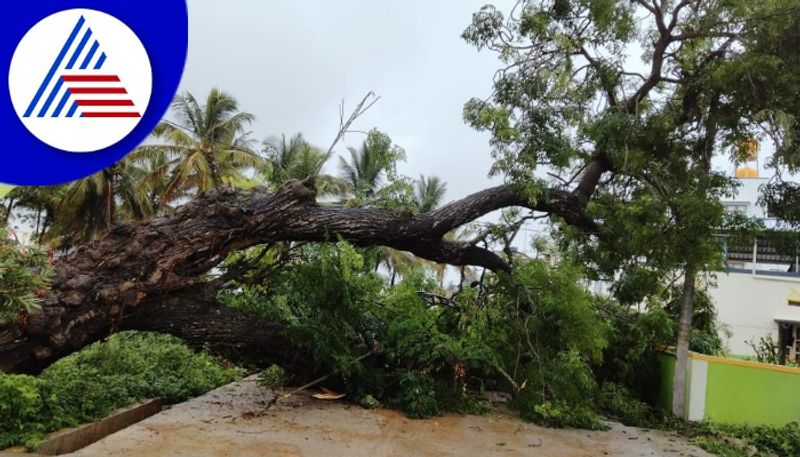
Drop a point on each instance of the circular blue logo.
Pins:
(87, 82)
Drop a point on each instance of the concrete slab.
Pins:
(231, 421)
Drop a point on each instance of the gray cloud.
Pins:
(291, 64)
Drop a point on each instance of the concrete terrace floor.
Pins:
(231, 421)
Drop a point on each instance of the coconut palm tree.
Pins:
(280, 155)
(429, 193)
(90, 206)
(155, 169)
(398, 263)
(40, 204)
(364, 171)
(295, 158)
(207, 144)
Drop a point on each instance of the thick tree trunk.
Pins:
(203, 323)
(100, 283)
(682, 346)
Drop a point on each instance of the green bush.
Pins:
(559, 414)
(20, 404)
(783, 441)
(89, 384)
(417, 395)
(273, 377)
(630, 359)
(337, 307)
(617, 402)
(724, 447)
(560, 394)
(537, 328)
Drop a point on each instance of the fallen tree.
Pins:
(142, 276)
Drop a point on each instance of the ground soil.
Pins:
(232, 421)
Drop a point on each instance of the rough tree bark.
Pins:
(195, 316)
(98, 285)
(682, 346)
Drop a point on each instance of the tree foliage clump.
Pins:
(104, 377)
(24, 277)
(535, 335)
(562, 354)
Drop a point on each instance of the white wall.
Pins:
(748, 305)
(747, 194)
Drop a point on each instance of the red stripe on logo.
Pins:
(104, 102)
(112, 114)
(90, 78)
(98, 90)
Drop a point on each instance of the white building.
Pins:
(759, 295)
(752, 306)
(746, 199)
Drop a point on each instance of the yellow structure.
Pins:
(746, 154)
(746, 172)
(794, 297)
(748, 150)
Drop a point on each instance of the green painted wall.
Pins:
(748, 395)
(4, 189)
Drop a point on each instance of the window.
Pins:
(736, 207)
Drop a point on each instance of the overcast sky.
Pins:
(291, 63)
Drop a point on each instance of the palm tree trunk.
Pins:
(9, 208)
(110, 202)
(682, 346)
(216, 177)
(109, 205)
(38, 222)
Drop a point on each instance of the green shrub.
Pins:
(103, 377)
(273, 377)
(20, 405)
(767, 350)
(744, 440)
(559, 414)
(723, 447)
(537, 328)
(131, 366)
(783, 441)
(417, 395)
(560, 394)
(337, 307)
(619, 403)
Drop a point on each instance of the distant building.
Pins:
(759, 295)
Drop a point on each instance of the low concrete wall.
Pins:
(751, 393)
(70, 440)
(730, 391)
(4, 189)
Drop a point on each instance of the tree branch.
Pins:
(99, 282)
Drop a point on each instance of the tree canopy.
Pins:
(628, 104)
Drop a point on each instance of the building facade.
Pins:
(753, 306)
(758, 296)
